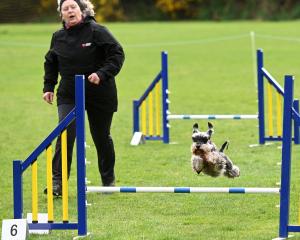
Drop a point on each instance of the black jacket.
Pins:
(84, 49)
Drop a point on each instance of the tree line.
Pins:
(149, 10)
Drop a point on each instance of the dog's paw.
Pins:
(234, 172)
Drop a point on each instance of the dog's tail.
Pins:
(225, 145)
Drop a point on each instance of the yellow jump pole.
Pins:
(64, 170)
(279, 114)
(150, 114)
(144, 128)
(49, 184)
(157, 108)
(270, 110)
(34, 179)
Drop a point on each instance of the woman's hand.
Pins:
(93, 78)
(48, 97)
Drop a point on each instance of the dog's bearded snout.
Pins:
(198, 145)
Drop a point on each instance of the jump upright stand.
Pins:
(19, 167)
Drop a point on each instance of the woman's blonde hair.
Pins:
(86, 7)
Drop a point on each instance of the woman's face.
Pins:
(71, 13)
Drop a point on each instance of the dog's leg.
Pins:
(197, 164)
(229, 163)
(232, 171)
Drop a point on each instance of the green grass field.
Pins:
(211, 71)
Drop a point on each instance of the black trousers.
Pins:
(100, 123)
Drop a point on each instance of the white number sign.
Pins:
(14, 229)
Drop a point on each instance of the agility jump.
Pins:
(19, 168)
(151, 115)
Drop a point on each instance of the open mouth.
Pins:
(71, 17)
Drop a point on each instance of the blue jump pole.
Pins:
(165, 96)
(136, 117)
(80, 143)
(260, 92)
(286, 157)
(18, 192)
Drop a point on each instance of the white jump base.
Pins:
(233, 190)
(212, 116)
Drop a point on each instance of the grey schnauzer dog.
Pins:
(207, 158)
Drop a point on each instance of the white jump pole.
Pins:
(224, 116)
(182, 190)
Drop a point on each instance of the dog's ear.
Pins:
(210, 130)
(195, 127)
